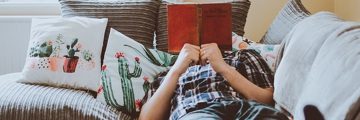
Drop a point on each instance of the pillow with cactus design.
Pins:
(267, 51)
(128, 72)
(65, 52)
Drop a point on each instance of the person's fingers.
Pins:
(194, 59)
(202, 52)
(192, 46)
(203, 60)
(193, 55)
(195, 50)
(205, 45)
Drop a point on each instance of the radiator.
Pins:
(14, 39)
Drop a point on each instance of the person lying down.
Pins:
(238, 86)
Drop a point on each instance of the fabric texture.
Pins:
(65, 52)
(292, 13)
(128, 73)
(320, 67)
(267, 51)
(240, 10)
(20, 101)
(234, 110)
(134, 18)
(201, 84)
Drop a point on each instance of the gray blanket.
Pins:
(320, 67)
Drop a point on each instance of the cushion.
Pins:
(134, 18)
(65, 52)
(293, 12)
(36, 102)
(267, 51)
(240, 10)
(128, 72)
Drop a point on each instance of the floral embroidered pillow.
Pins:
(128, 73)
(65, 52)
(268, 52)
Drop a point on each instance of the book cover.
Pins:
(199, 24)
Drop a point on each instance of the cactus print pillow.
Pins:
(65, 52)
(128, 73)
(268, 52)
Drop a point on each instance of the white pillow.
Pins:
(129, 71)
(65, 52)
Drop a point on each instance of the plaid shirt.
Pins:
(202, 84)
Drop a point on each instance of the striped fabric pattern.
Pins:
(134, 18)
(34, 102)
(293, 12)
(240, 9)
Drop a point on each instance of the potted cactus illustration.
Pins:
(43, 50)
(71, 60)
(39, 54)
(126, 84)
(87, 56)
(56, 60)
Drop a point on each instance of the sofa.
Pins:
(314, 59)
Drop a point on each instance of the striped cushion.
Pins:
(34, 102)
(293, 12)
(134, 18)
(240, 10)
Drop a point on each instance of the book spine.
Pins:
(199, 23)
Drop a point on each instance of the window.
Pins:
(29, 7)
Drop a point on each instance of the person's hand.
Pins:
(211, 52)
(189, 55)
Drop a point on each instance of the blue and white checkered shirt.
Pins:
(202, 84)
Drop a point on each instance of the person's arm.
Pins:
(247, 88)
(250, 91)
(158, 107)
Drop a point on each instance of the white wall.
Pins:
(262, 13)
(30, 9)
(260, 16)
(348, 9)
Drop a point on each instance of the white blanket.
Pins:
(320, 67)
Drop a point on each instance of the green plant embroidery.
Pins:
(165, 58)
(72, 60)
(71, 50)
(43, 50)
(126, 84)
(87, 55)
(57, 49)
(146, 87)
(108, 92)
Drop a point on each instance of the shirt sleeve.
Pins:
(252, 66)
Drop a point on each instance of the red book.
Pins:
(199, 24)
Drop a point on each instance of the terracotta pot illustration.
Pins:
(55, 63)
(70, 64)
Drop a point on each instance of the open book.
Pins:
(199, 24)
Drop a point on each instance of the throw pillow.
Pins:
(128, 73)
(240, 10)
(293, 12)
(65, 52)
(267, 51)
(134, 18)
